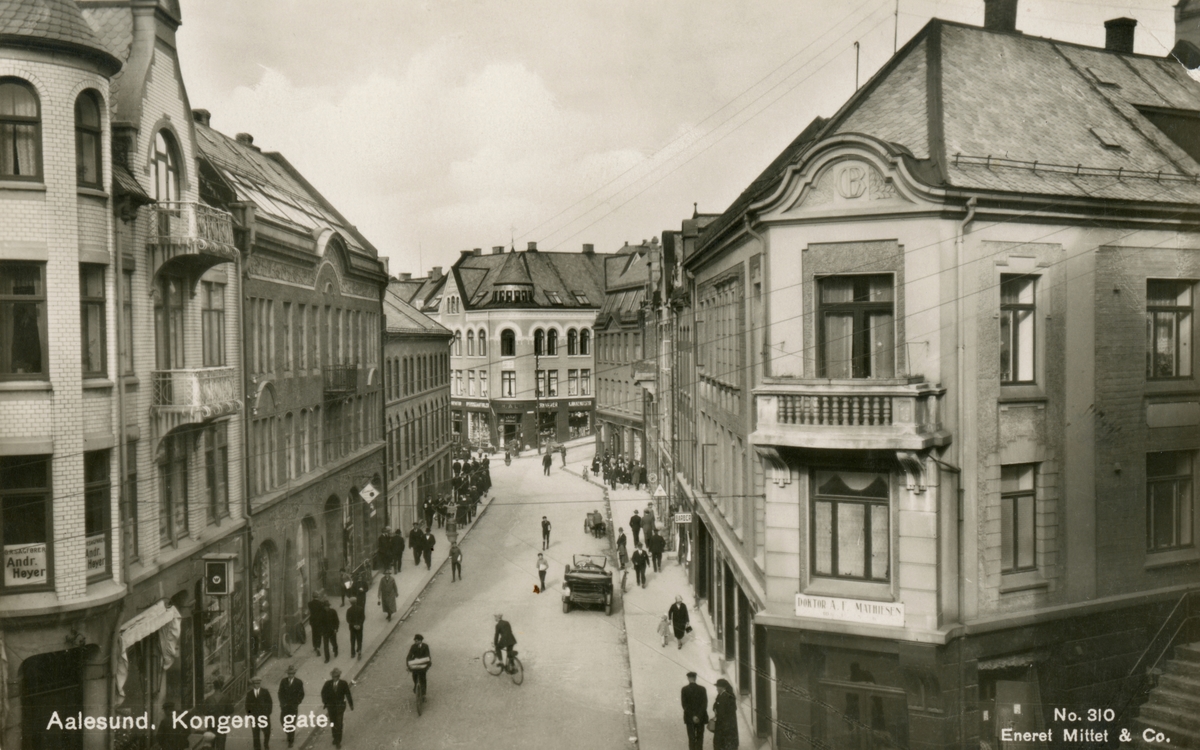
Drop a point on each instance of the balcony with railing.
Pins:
(190, 235)
(194, 396)
(850, 414)
(340, 380)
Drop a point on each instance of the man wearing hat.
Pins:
(335, 696)
(291, 695)
(259, 707)
(695, 711)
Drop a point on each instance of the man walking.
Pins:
(259, 707)
(415, 538)
(546, 463)
(335, 696)
(291, 695)
(427, 546)
(388, 593)
(316, 619)
(656, 544)
(455, 562)
(542, 567)
(695, 711)
(635, 525)
(384, 549)
(355, 617)
(545, 533)
(398, 549)
(639, 560)
(330, 628)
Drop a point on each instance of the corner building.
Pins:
(964, 310)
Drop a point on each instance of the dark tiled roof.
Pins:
(55, 22)
(562, 273)
(125, 183)
(402, 317)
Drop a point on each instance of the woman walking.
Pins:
(725, 734)
(388, 593)
(679, 619)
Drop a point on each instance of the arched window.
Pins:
(20, 131)
(539, 342)
(458, 343)
(585, 341)
(470, 343)
(87, 140)
(508, 344)
(166, 167)
(551, 343)
(572, 342)
(482, 343)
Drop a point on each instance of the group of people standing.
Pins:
(723, 723)
(648, 544)
(618, 470)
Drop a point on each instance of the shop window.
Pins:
(87, 140)
(1169, 324)
(20, 131)
(97, 494)
(166, 167)
(850, 525)
(23, 342)
(1170, 504)
(25, 520)
(216, 470)
(508, 344)
(1018, 527)
(92, 313)
(173, 490)
(857, 337)
(1018, 328)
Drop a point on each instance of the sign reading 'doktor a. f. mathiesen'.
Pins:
(850, 610)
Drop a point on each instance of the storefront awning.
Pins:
(147, 621)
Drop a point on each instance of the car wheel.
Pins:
(566, 606)
(608, 605)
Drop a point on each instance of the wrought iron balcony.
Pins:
(193, 235)
(341, 380)
(194, 396)
(850, 414)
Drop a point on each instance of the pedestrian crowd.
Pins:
(620, 471)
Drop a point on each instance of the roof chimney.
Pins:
(532, 247)
(436, 273)
(245, 139)
(1000, 15)
(406, 277)
(202, 116)
(497, 249)
(1118, 34)
(477, 251)
(589, 248)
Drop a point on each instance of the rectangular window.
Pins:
(470, 382)
(483, 385)
(173, 491)
(1018, 316)
(216, 470)
(25, 520)
(289, 349)
(1169, 501)
(508, 384)
(552, 383)
(97, 494)
(541, 383)
(1018, 527)
(23, 352)
(857, 337)
(572, 382)
(585, 382)
(127, 323)
(129, 503)
(212, 323)
(168, 320)
(1168, 329)
(92, 310)
(850, 512)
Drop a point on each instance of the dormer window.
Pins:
(581, 298)
(554, 298)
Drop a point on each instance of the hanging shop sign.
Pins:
(25, 565)
(683, 518)
(850, 610)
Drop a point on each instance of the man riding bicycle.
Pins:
(503, 641)
(419, 661)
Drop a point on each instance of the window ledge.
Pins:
(1172, 387)
(850, 589)
(15, 185)
(96, 383)
(92, 192)
(128, 380)
(25, 385)
(1022, 392)
(1015, 399)
(1174, 557)
(1011, 583)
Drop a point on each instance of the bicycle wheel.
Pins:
(518, 672)
(491, 663)
(420, 698)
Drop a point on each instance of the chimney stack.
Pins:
(497, 249)
(245, 139)
(1118, 34)
(1000, 15)
(532, 247)
(202, 116)
(406, 277)
(436, 273)
(589, 248)
(477, 251)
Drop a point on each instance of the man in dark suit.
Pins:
(329, 628)
(416, 538)
(639, 560)
(427, 545)
(503, 640)
(259, 706)
(355, 617)
(398, 549)
(316, 619)
(291, 695)
(335, 696)
(657, 546)
(695, 711)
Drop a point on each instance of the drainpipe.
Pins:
(961, 405)
(244, 215)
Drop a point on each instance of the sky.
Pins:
(438, 126)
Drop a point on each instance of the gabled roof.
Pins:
(54, 24)
(549, 274)
(401, 317)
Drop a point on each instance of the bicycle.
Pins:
(494, 666)
(420, 697)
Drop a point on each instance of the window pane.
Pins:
(1162, 516)
(839, 345)
(1016, 478)
(837, 289)
(852, 484)
(1016, 290)
(883, 345)
(1006, 526)
(1025, 333)
(1026, 539)
(852, 545)
(822, 537)
(880, 557)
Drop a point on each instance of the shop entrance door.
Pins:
(51, 682)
